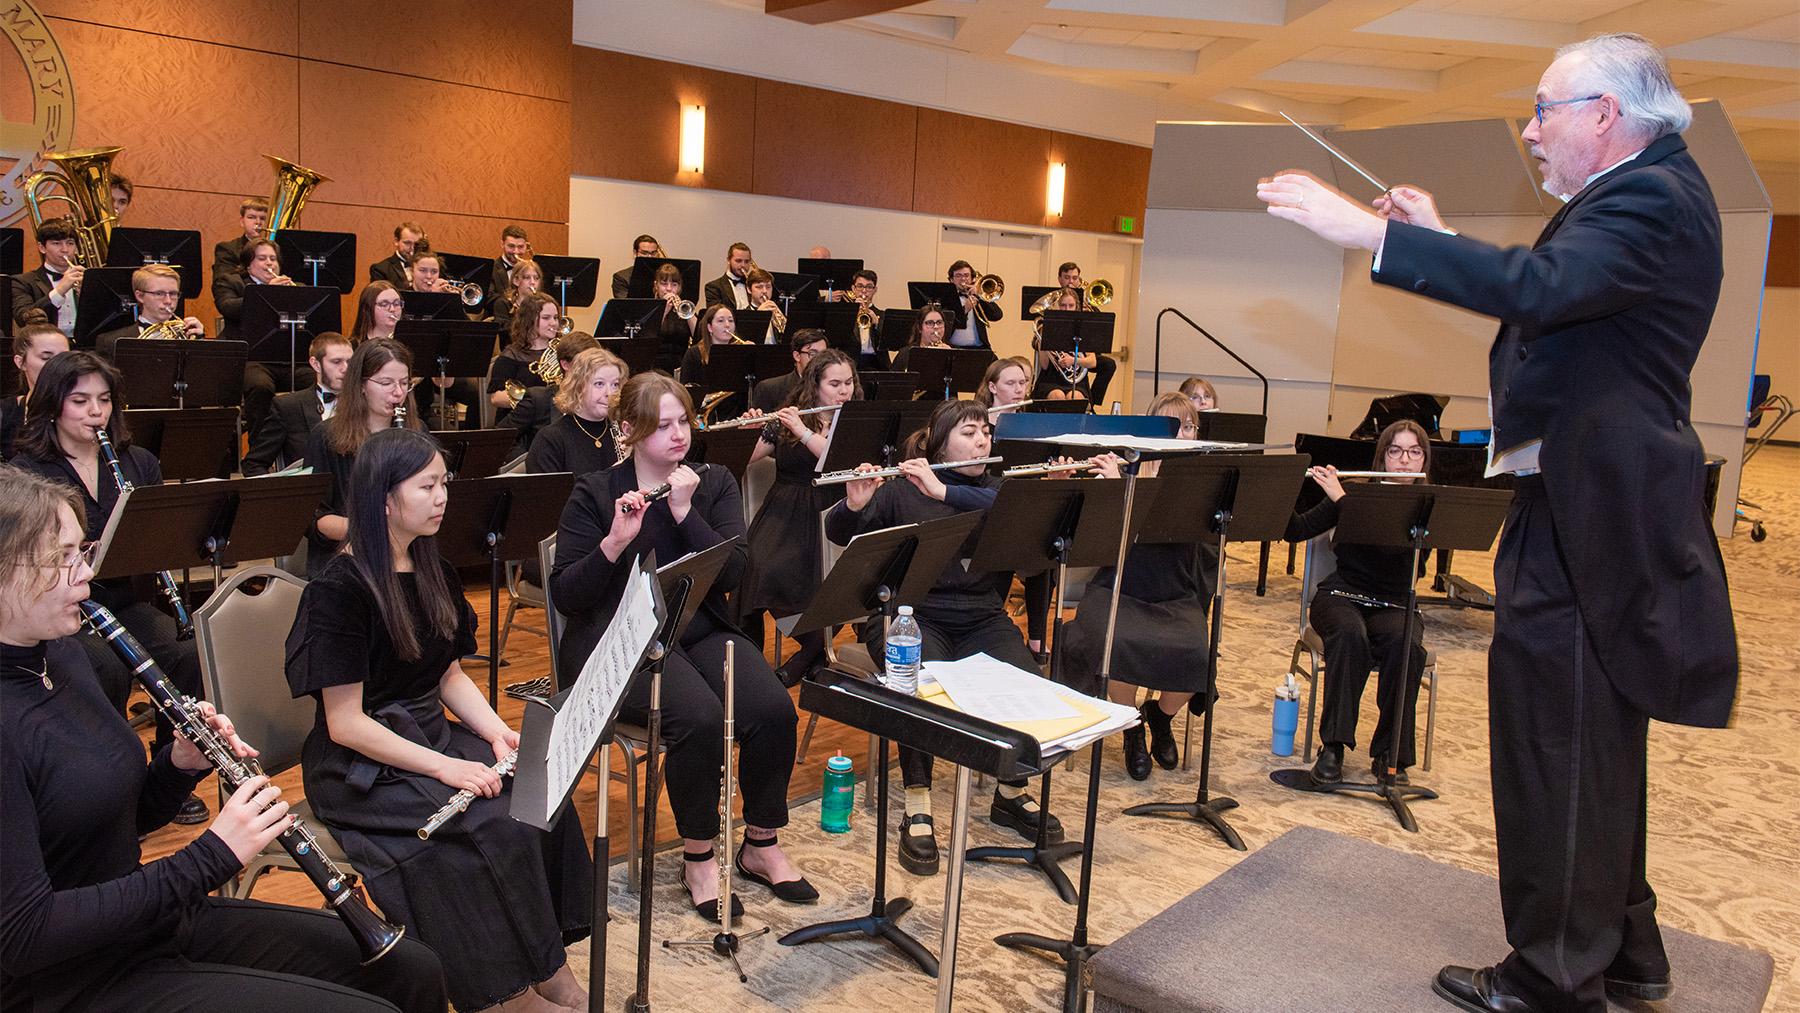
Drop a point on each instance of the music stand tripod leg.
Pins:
(659, 653)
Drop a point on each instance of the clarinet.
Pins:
(374, 937)
(662, 491)
(184, 623)
(399, 421)
(459, 802)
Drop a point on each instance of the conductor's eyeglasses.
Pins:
(1541, 106)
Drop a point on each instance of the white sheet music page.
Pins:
(992, 689)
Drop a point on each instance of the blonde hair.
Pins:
(1177, 406)
(581, 373)
(143, 275)
(638, 407)
(28, 526)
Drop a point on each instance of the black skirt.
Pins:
(785, 543)
(1161, 641)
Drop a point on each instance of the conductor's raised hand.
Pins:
(1411, 205)
(1301, 198)
(682, 483)
(858, 493)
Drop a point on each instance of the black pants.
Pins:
(178, 659)
(1101, 377)
(810, 653)
(243, 955)
(1568, 758)
(1037, 604)
(1358, 638)
(993, 635)
(693, 731)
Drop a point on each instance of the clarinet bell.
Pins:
(374, 936)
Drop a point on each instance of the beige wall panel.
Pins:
(520, 48)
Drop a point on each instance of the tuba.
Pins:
(293, 184)
(86, 180)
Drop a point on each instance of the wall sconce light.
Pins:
(693, 139)
(1053, 193)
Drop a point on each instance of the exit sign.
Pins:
(1128, 224)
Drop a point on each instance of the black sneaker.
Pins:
(1021, 814)
(192, 812)
(919, 852)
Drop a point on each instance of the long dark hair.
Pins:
(806, 393)
(945, 419)
(524, 323)
(918, 326)
(348, 428)
(387, 459)
(1386, 440)
(37, 437)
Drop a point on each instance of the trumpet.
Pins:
(852, 475)
(777, 319)
(1047, 468)
(515, 392)
(685, 309)
(756, 420)
(1015, 406)
(470, 292)
(459, 802)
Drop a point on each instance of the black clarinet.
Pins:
(374, 937)
(662, 491)
(184, 623)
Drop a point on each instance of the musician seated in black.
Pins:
(642, 246)
(284, 434)
(870, 355)
(157, 289)
(1062, 375)
(965, 613)
(515, 249)
(676, 334)
(1103, 367)
(580, 440)
(253, 218)
(34, 345)
(526, 277)
(928, 331)
(606, 527)
(1161, 639)
(428, 276)
(87, 926)
(379, 308)
(772, 393)
(535, 323)
(72, 399)
(975, 313)
(732, 289)
(1006, 382)
(718, 326)
(1357, 635)
(376, 384)
(1199, 391)
(537, 408)
(259, 263)
(54, 286)
(785, 546)
(762, 297)
(376, 644)
(396, 267)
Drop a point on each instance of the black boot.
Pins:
(1329, 767)
(1137, 759)
(1162, 734)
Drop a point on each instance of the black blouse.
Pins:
(1377, 570)
(325, 461)
(958, 595)
(569, 444)
(511, 365)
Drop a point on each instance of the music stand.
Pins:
(1236, 427)
(474, 453)
(431, 305)
(460, 267)
(481, 514)
(208, 524)
(104, 303)
(836, 319)
(738, 367)
(639, 354)
(951, 370)
(1417, 517)
(923, 293)
(871, 431)
(830, 274)
(643, 276)
(575, 279)
(178, 248)
(172, 372)
(730, 449)
(12, 254)
(792, 288)
(326, 259)
(626, 317)
(457, 347)
(888, 385)
(280, 321)
(877, 573)
(753, 326)
(1029, 295)
(12, 381)
(1243, 496)
(1078, 332)
(189, 443)
(897, 328)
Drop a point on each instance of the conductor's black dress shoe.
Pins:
(1476, 990)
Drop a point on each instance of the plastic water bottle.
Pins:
(839, 796)
(902, 655)
(1287, 717)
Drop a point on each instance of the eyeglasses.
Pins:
(388, 383)
(1408, 453)
(171, 294)
(68, 560)
(1541, 106)
(390, 304)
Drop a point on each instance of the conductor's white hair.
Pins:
(1631, 68)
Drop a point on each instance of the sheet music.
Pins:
(597, 691)
(1122, 442)
(992, 689)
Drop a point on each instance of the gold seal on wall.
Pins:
(23, 143)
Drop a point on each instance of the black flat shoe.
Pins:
(1477, 991)
(709, 909)
(793, 891)
(1137, 758)
(918, 852)
(1021, 814)
(1641, 988)
(1162, 735)
(192, 812)
(1329, 767)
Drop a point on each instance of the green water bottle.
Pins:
(838, 797)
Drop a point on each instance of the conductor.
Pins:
(1613, 608)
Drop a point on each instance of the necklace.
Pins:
(597, 444)
(43, 674)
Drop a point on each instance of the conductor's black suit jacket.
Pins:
(1602, 320)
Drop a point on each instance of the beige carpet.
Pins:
(1724, 848)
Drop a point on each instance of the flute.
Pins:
(852, 475)
(1378, 474)
(763, 420)
(662, 491)
(1015, 406)
(460, 801)
(1025, 470)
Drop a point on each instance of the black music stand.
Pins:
(730, 449)
(178, 248)
(1028, 297)
(639, 354)
(481, 514)
(12, 254)
(738, 367)
(104, 303)
(1078, 332)
(190, 443)
(626, 317)
(877, 573)
(574, 279)
(1224, 496)
(1417, 517)
(792, 288)
(174, 372)
(643, 277)
(1052, 524)
(752, 326)
(888, 385)
(871, 431)
(456, 347)
(431, 306)
(950, 370)
(210, 524)
(474, 453)
(11, 380)
(836, 319)
(921, 294)
(323, 259)
(1237, 427)
(465, 269)
(830, 274)
(279, 321)
(897, 328)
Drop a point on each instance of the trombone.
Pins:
(852, 475)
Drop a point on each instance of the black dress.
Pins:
(512, 365)
(325, 461)
(785, 544)
(1162, 636)
(677, 335)
(1052, 379)
(496, 898)
(571, 444)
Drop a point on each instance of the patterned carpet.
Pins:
(1724, 836)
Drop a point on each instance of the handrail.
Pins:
(1156, 365)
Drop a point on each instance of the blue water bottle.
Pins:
(1287, 717)
(838, 797)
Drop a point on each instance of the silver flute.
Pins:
(1015, 406)
(459, 802)
(852, 475)
(1047, 468)
(765, 418)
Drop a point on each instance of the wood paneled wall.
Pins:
(464, 128)
(1784, 252)
(786, 140)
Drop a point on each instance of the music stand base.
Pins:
(1395, 795)
(1207, 812)
(876, 925)
(1074, 959)
(725, 944)
(1043, 859)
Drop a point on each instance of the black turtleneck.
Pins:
(958, 594)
